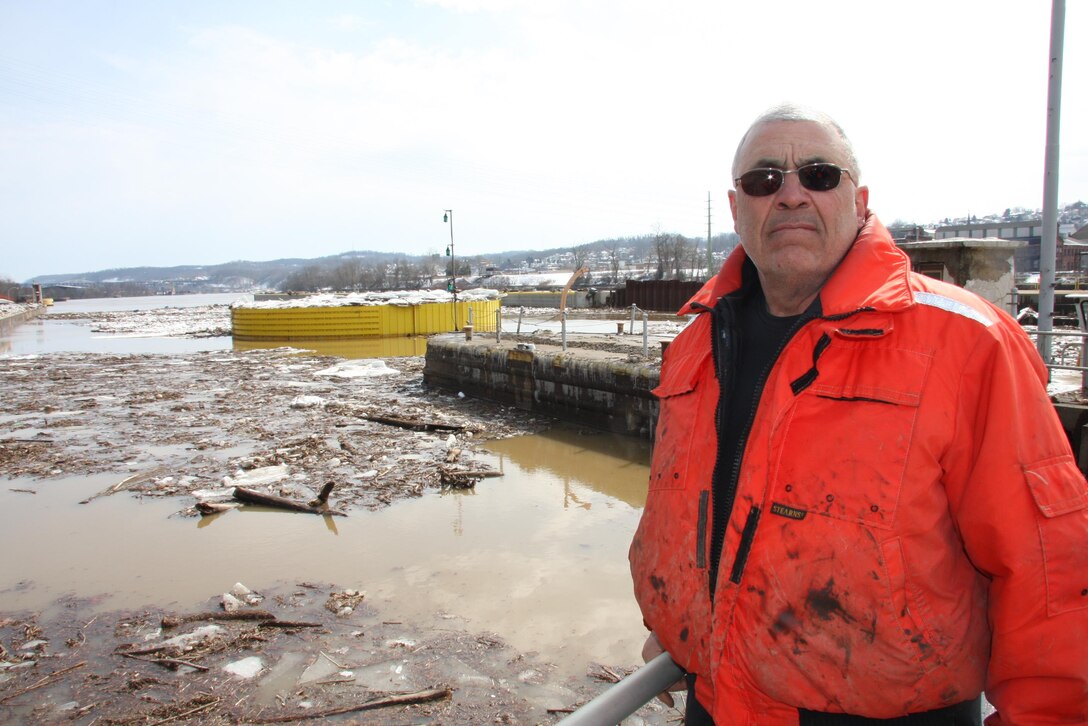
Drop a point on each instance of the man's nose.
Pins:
(792, 194)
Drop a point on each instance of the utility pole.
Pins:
(451, 286)
(709, 251)
(1049, 243)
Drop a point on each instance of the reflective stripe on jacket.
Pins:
(909, 527)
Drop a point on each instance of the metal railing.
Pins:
(562, 315)
(629, 695)
(1064, 366)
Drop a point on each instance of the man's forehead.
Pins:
(781, 142)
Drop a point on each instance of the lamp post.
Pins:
(452, 286)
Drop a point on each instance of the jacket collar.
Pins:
(874, 275)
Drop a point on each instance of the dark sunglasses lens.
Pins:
(819, 177)
(761, 182)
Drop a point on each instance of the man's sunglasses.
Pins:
(817, 177)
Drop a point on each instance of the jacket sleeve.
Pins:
(1021, 505)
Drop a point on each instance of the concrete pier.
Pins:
(598, 388)
(19, 314)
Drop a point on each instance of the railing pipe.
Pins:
(629, 695)
(645, 334)
(1049, 242)
(563, 324)
(1047, 334)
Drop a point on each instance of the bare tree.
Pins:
(348, 275)
(695, 263)
(581, 254)
(677, 252)
(374, 278)
(661, 255)
(308, 279)
(10, 289)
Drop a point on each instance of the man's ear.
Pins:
(733, 207)
(861, 204)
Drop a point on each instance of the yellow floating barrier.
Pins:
(300, 321)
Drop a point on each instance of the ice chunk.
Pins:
(260, 476)
(232, 604)
(186, 641)
(243, 593)
(246, 667)
(202, 494)
(371, 368)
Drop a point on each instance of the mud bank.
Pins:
(299, 657)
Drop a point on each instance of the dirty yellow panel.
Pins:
(358, 321)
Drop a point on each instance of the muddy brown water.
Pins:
(537, 556)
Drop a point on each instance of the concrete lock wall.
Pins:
(576, 299)
(9, 322)
(606, 394)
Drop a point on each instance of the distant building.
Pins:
(910, 233)
(1028, 231)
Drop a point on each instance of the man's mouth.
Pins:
(788, 226)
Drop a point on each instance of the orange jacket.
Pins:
(909, 527)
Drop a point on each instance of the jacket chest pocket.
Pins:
(685, 439)
(843, 450)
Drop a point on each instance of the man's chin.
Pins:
(795, 260)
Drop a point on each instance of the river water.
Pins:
(538, 556)
(48, 334)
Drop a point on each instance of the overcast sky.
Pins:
(137, 132)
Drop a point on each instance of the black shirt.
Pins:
(748, 340)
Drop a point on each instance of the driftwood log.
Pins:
(252, 496)
(171, 663)
(215, 507)
(462, 478)
(47, 680)
(262, 618)
(401, 699)
(172, 621)
(287, 624)
(414, 425)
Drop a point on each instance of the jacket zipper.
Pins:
(745, 545)
(722, 511)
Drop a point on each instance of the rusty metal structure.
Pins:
(658, 295)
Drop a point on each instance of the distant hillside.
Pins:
(239, 274)
(278, 274)
(290, 272)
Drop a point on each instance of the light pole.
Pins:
(452, 285)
